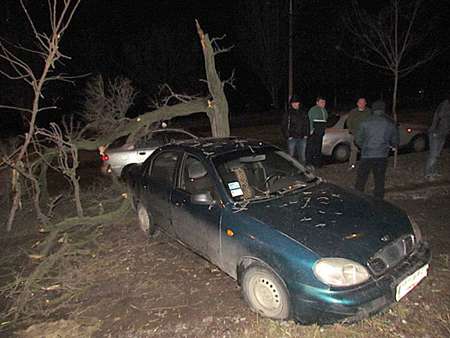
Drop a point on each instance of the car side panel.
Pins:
(197, 225)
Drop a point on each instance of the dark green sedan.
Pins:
(299, 247)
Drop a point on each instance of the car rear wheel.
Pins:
(341, 153)
(265, 292)
(419, 144)
(145, 221)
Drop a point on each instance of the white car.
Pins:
(120, 154)
(337, 140)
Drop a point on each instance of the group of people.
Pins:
(374, 133)
(304, 131)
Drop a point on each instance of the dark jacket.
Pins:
(355, 118)
(376, 135)
(295, 123)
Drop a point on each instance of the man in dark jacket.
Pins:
(437, 135)
(376, 136)
(295, 127)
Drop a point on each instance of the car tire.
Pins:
(418, 144)
(265, 292)
(145, 221)
(132, 198)
(341, 153)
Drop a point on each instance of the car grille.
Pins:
(391, 255)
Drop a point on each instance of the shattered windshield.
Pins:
(254, 174)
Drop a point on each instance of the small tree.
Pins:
(391, 41)
(47, 49)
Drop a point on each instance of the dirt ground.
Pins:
(135, 287)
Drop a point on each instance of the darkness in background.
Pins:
(112, 37)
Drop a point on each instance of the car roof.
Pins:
(213, 146)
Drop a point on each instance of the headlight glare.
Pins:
(340, 272)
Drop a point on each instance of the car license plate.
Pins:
(410, 282)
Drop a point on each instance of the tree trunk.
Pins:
(394, 111)
(220, 126)
(76, 192)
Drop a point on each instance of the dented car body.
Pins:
(299, 247)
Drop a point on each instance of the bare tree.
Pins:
(67, 155)
(391, 41)
(171, 105)
(263, 33)
(47, 50)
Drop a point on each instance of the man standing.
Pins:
(318, 117)
(437, 135)
(295, 128)
(376, 135)
(356, 116)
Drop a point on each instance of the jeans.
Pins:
(378, 167)
(298, 144)
(436, 142)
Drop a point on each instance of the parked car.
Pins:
(298, 246)
(120, 154)
(337, 140)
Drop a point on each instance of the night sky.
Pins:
(152, 42)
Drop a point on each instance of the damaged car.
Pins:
(299, 247)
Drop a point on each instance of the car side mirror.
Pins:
(202, 198)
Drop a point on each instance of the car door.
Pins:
(197, 225)
(158, 183)
(146, 146)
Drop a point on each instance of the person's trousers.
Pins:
(353, 154)
(297, 146)
(314, 149)
(436, 143)
(378, 168)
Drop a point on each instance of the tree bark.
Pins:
(220, 126)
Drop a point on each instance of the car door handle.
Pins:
(142, 153)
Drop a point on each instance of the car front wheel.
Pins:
(145, 221)
(265, 292)
(419, 144)
(341, 153)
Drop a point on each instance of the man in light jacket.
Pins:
(318, 117)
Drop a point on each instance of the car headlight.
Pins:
(340, 272)
(416, 229)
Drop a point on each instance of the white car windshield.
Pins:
(260, 174)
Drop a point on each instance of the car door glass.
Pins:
(173, 136)
(151, 140)
(163, 167)
(195, 178)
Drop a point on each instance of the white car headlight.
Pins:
(340, 272)
(416, 229)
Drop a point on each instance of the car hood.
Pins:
(333, 222)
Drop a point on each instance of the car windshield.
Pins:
(256, 174)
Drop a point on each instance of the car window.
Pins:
(332, 120)
(163, 166)
(260, 173)
(151, 140)
(118, 142)
(195, 178)
(172, 136)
